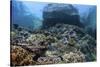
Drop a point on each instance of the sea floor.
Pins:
(59, 44)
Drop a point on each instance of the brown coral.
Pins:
(20, 56)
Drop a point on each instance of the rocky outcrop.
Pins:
(60, 13)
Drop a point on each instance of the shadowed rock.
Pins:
(57, 13)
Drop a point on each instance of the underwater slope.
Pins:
(61, 43)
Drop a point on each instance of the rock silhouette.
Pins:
(60, 13)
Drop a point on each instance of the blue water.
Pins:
(29, 14)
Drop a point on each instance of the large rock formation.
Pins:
(60, 13)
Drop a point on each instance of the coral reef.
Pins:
(62, 43)
(74, 57)
(20, 56)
